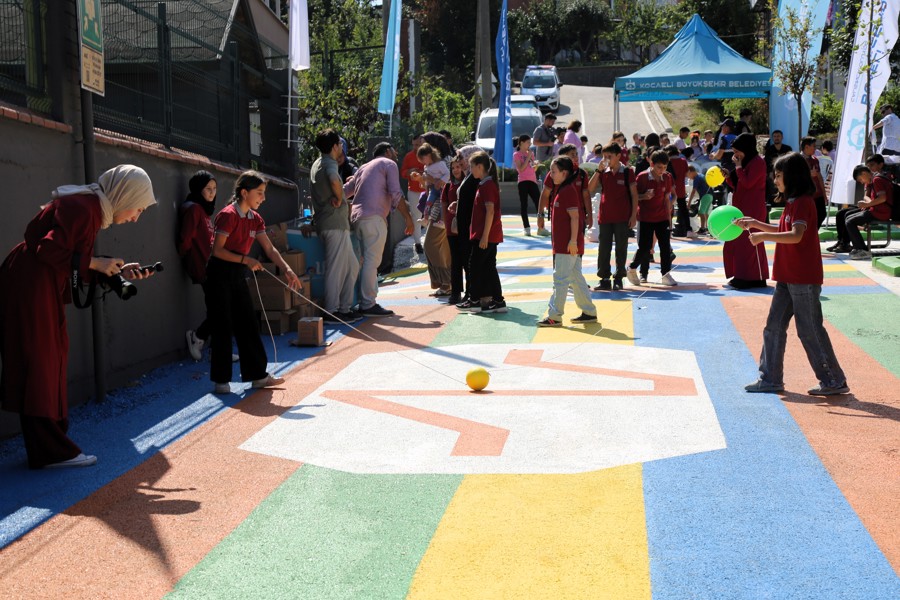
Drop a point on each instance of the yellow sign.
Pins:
(92, 74)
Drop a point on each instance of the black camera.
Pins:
(123, 288)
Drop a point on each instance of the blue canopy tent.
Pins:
(696, 65)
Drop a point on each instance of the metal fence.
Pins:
(22, 76)
(189, 74)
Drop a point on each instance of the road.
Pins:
(593, 106)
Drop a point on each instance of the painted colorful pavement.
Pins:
(620, 460)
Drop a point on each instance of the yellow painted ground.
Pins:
(540, 536)
(615, 324)
(545, 536)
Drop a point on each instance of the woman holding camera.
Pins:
(35, 286)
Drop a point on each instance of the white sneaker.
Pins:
(267, 381)
(632, 276)
(860, 255)
(528, 232)
(691, 235)
(667, 279)
(222, 388)
(82, 460)
(195, 344)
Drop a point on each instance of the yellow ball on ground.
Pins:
(477, 379)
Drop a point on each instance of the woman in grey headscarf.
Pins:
(34, 289)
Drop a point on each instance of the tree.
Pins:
(841, 38)
(792, 64)
(735, 22)
(642, 25)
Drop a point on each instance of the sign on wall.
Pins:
(91, 35)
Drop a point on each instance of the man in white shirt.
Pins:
(890, 138)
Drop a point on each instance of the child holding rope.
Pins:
(231, 311)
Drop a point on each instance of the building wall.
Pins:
(40, 152)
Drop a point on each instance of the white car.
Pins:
(522, 101)
(542, 82)
(524, 120)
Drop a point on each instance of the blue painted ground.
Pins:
(763, 517)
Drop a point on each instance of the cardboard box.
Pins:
(296, 260)
(305, 290)
(275, 297)
(280, 321)
(278, 236)
(306, 311)
(310, 332)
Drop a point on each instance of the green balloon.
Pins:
(720, 223)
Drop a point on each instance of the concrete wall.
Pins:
(147, 330)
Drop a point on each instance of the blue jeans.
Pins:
(567, 272)
(802, 303)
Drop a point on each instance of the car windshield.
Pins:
(522, 103)
(488, 126)
(538, 81)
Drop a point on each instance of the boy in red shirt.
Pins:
(567, 238)
(798, 270)
(654, 189)
(876, 206)
(678, 168)
(617, 213)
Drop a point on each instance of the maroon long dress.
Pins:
(34, 343)
(742, 259)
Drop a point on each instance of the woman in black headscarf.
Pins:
(195, 240)
(746, 264)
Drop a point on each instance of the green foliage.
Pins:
(841, 38)
(825, 116)
(734, 22)
(759, 122)
(643, 24)
(890, 95)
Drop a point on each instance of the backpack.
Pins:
(895, 198)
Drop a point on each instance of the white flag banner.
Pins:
(298, 25)
(852, 136)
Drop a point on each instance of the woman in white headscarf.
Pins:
(35, 286)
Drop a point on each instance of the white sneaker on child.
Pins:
(195, 344)
(667, 279)
(632, 276)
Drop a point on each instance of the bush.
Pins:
(759, 122)
(891, 95)
(825, 116)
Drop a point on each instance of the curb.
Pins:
(656, 114)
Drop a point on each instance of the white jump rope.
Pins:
(600, 329)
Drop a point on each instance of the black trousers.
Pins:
(609, 233)
(841, 223)
(205, 327)
(528, 189)
(232, 316)
(683, 217)
(460, 250)
(821, 210)
(484, 279)
(854, 222)
(645, 242)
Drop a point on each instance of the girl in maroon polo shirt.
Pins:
(797, 270)
(231, 312)
(485, 233)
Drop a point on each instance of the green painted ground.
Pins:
(366, 546)
(870, 321)
(514, 327)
